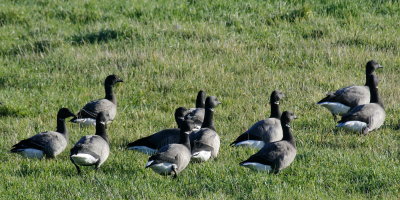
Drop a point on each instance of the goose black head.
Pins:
(371, 66)
(187, 125)
(288, 116)
(276, 96)
(64, 113)
(112, 80)
(212, 102)
(180, 115)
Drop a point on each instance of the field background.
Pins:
(56, 53)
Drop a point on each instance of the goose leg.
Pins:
(175, 174)
(334, 117)
(77, 167)
(97, 166)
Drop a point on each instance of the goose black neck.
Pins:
(178, 122)
(275, 111)
(110, 94)
(200, 101)
(179, 118)
(184, 139)
(368, 78)
(208, 119)
(375, 98)
(61, 127)
(101, 131)
(287, 133)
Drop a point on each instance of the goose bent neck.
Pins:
(375, 96)
(287, 134)
(101, 131)
(275, 111)
(184, 139)
(208, 119)
(61, 127)
(110, 93)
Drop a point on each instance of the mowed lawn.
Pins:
(57, 53)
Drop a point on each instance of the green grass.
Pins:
(57, 53)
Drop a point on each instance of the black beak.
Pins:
(120, 80)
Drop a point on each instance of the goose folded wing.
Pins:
(246, 136)
(267, 155)
(162, 158)
(91, 109)
(38, 141)
(359, 113)
(258, 129)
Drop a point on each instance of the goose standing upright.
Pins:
(264, 131)
(46, 144)
(275, 156)
(341, 101)
(87, 115)
(197, 114)
(92, 150)
(367, 117)
(173, 158)
(152, 143)
(206, 142)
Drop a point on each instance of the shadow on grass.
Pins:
(97, 37)
(314, 34)
(362, 42)
(6, 111)
(41, 46)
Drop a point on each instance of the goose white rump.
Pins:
(162, 168)
(84, 159)
(257, 144)
(32, 153)
(201, 156)
(355, 126)
(257, 166)
(86, 121)
(335, 108)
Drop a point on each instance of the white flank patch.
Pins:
(201, 156)
(86, 121)
(355, 126)
(32, 153)
(162, 168)
(149, 163)
(143, 149)
(84, 159)
(335, 108)
(251, 143)
(257, 166)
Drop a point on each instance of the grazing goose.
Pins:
(264, 131)
(197, 114)
(173, 158)
(89, 112)
(92, 149)
(46, 144)
(341, 101)
(367, 117)
(206, 142)
(275, 156)
(152, 143)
